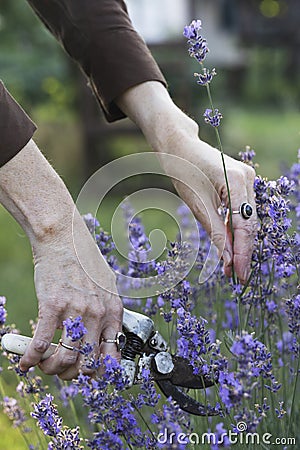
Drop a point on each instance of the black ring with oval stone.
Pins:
(246, 210)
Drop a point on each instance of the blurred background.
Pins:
(254, 46)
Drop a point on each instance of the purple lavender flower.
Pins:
(197, 44)
(231, 321)
(171, 421)
(66, 439)
(3, 312)
(206, 77)
(193, 341)
(252, 355)
(68, 392)
(13, 411)
(106, 440)
(45, 412)
(280, 412)
(247, 156)
(213, 117)
(198, 49)
(149, 395)
(293, 313)
(86, 349)
(91, 222)
(75, 328)
(30, 384)
(109, 408)
(231, 389)
(191, 31)
(221, 440)
(105, 244)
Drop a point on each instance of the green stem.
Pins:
(226, 178)
(2, 389)
(294, 396)
(144, 421)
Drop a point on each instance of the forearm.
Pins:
(35, 195)
(200, 171)
(71, 276)
(163, 124)
(37, 198)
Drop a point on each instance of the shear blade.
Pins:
(184, 401)
(183, 375)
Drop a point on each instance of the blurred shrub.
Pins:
(32, 64)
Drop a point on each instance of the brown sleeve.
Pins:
(16, 128)
(99, 36)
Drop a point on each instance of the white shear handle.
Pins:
(17, 344)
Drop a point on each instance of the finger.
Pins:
(110, 348)
(85, 363)
(244, 234)
(66, 356)
(41, 341)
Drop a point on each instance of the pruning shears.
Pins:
(145, 348)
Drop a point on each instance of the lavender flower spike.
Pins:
(198, 46)
(205, 77)
(213, 117)
(46, 414)
(3, 312)
(75, 328)
(191, 31)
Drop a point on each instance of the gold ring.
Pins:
(68, 347)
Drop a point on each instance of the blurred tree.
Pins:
(32, 64)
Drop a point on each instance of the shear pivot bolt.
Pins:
(164, 363)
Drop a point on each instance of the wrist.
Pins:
(36, 196)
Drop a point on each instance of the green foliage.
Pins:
(33, 66)
(271, 77)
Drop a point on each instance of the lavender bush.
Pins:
(244, 337)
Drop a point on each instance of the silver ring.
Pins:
(245, 210)
(68, 347)
(120, 341)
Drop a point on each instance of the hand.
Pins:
(168, 130)
(205, 189)
(65, 285)
(66, 289)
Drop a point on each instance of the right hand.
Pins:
(67, 287)
(203, 188)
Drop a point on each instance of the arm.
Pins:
(127, 81)
(35, 195)
(168, 130)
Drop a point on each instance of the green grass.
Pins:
(16, 272)
(11, 438)
(275, 137)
